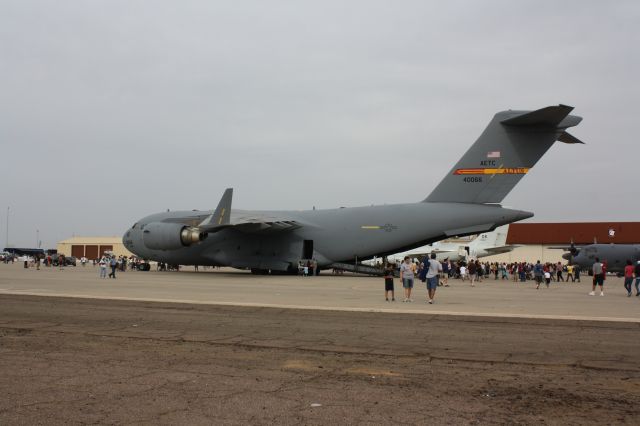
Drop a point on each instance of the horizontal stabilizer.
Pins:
(568, 138)
(549, 116)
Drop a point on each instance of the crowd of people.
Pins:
(107, 261)
(430, 271)
(435, 274)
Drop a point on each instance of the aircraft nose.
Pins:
(126, 240)
(567, 256)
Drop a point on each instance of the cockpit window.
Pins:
(134, 225)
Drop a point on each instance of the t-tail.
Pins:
(510, 146)
(495, 238)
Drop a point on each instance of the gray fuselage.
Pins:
(336, 235)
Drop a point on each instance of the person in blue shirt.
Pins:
(114, 264)
(538, 272)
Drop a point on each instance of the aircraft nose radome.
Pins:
(126, 241)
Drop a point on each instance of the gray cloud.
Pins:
(114, 109)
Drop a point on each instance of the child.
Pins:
(103, 268)
(547, 278)
(388, 283)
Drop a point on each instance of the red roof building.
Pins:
(580, 233)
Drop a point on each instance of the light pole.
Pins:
(7, 240)
(37, 238)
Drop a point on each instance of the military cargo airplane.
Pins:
(467, 201)
(615, 256)
(486, 244)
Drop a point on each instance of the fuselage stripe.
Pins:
(500, 171)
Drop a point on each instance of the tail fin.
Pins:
(512, 143)
(496, 238)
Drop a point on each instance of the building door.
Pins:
(105, 248)
(77, 250)
(91, 252)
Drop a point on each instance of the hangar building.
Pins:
(92, 247)
(534, 239)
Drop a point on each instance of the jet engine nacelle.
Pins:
(170, 236)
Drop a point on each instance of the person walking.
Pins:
(570, 273)
(114, 265)
(103, 268)
(407, 276)
(522, 271)
(576, 272)
(628, 277)
(434, 268)
(538, 272)
(388, 283)
(473, 271)
(505, 274)
(559, 272)
(598, 278)
(446, 267)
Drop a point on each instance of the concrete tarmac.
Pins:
(91, 359)
(352, 293)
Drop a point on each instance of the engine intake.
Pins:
(171, 236)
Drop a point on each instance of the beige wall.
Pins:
(64, 247)
(528, 253)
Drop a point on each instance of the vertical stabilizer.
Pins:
(512, 143)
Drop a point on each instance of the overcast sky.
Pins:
(112, 110)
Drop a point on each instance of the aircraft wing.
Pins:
(567, 248)
(500, 249)
(440, 251)
(248, 222)
(261, 223)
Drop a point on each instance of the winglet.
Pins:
(222, 214)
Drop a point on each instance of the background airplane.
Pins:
(466, 202)
(485, 244)
(614, 255)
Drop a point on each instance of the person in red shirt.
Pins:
(628, 277)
